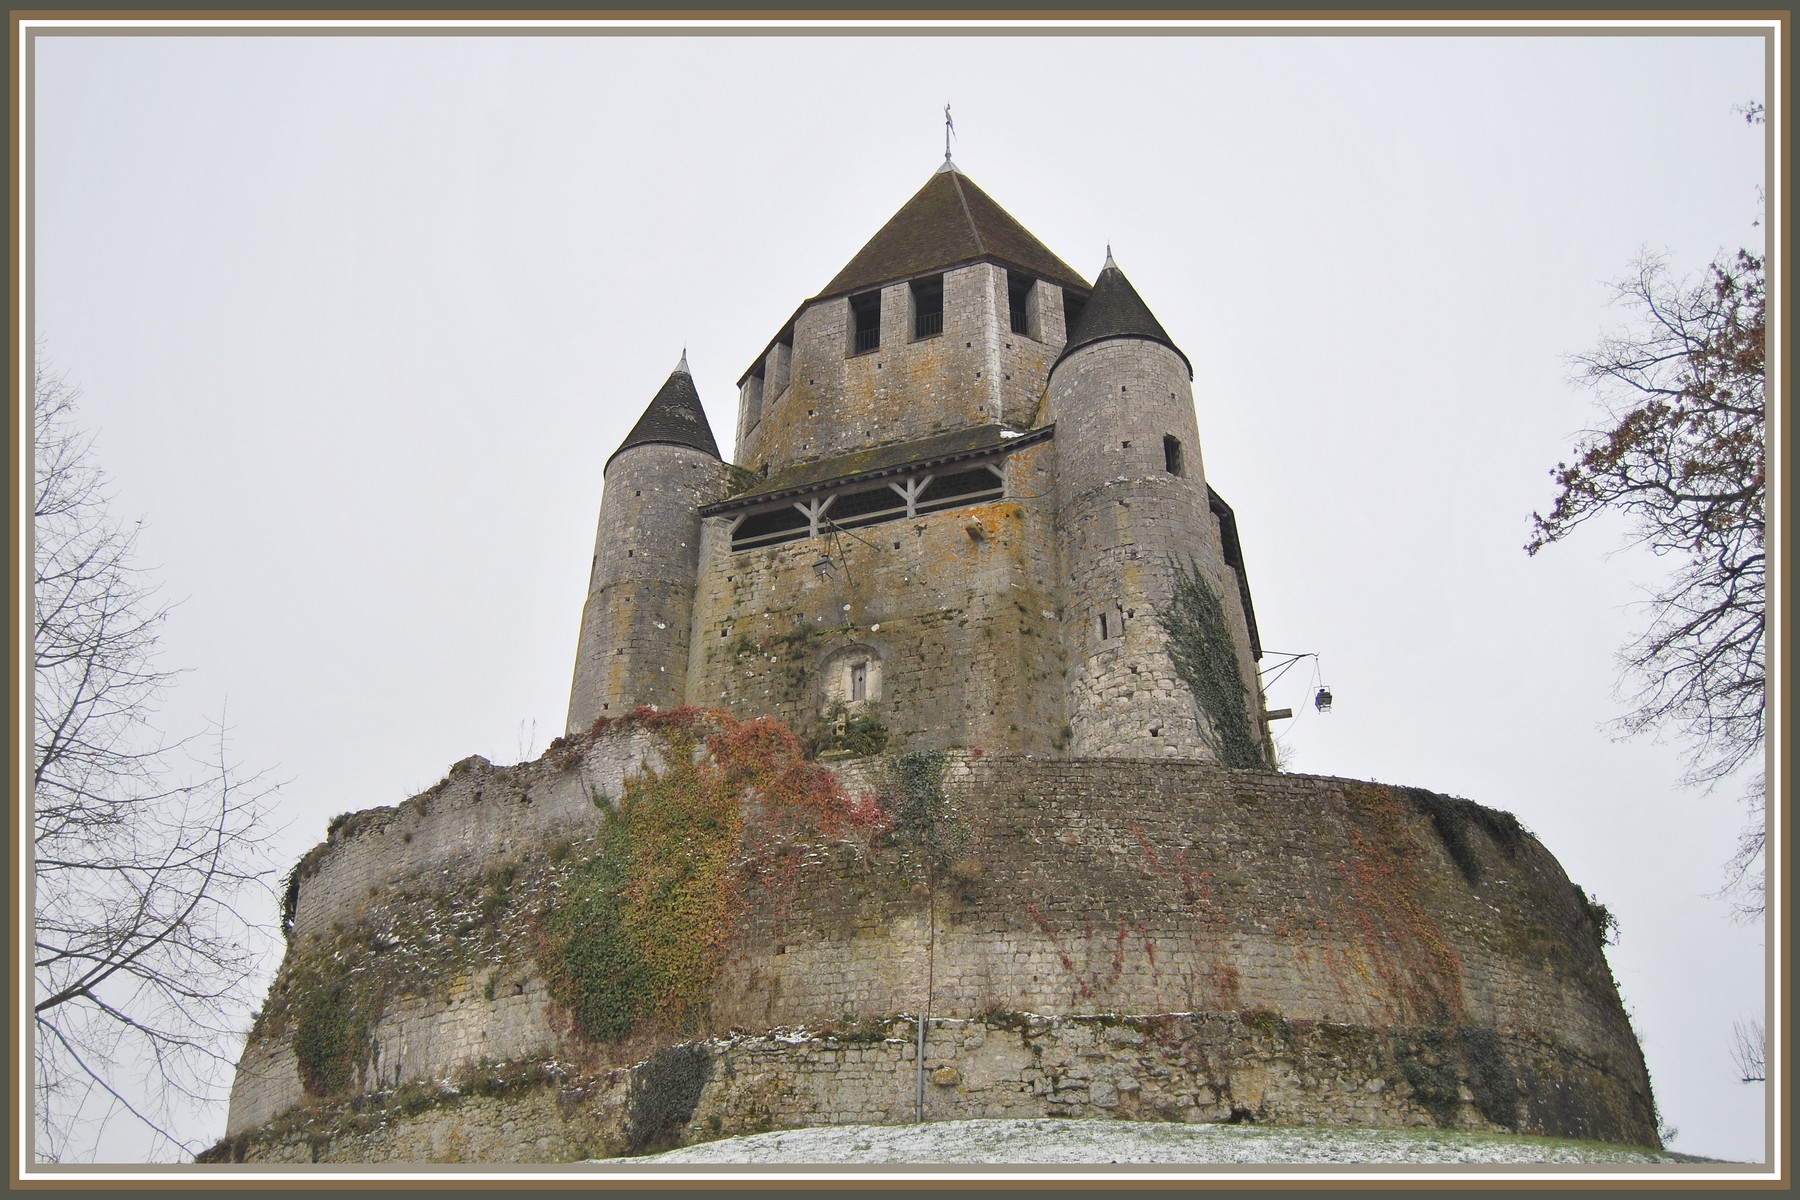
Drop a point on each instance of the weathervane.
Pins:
(949, 128)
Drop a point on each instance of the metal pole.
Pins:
(930, 982)
(919, 1111)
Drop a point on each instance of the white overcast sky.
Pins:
(359, 319)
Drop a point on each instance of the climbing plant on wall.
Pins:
(1205, 657)
(637, 934)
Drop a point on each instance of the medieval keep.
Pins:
(974, 471)
(965, 550)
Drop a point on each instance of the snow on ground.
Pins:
(1066, 1141)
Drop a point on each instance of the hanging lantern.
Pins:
(823, 568)
(1322, 701)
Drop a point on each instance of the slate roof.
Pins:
(947, 223)
(674, 418)
(1115, 310)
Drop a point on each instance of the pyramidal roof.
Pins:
(947, 223)
(1115, 310)
(674, 417)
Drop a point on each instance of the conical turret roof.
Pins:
(674, 417)
(947, 223)
(1115, 310)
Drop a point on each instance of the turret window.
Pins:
(928, 306)
(1172, 454)
(865, 322)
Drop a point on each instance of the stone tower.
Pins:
(634, 628)
(1010, 866)
(970, 484)
(1133, 511)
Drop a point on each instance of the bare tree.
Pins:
(144, 866)
(1748, 1050)
(1682, 459)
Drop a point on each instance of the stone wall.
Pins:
(977, 371)
(964, 627)
(1176, 1067)
(1065, 887)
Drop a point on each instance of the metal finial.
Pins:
(681, 368)
(1110, 264)
(949, 128)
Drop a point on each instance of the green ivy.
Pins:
(331, 1032)
(663, 1095)
(1205, 657)
(921, 810)
(859, 733)
(601, 978)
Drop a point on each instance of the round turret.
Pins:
(633, 649)
(1154, 627)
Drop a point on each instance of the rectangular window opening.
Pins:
(865, 322)
(752, 398)
(1019, 295)
(1172, 454)
(1072, 306)
(928, 306)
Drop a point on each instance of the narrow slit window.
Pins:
(859, 681)
(1103, 630)
(928, 306)
(1172, 455)
(865, 322)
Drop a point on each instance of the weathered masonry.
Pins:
(964, 463)
(929, 718)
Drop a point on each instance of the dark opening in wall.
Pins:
(879, 503)
(752, 398)
(1104, 634)
(1019, 290)
(869, 504)
(1072, 306)
(928, 306)
(1172, 455)
(767, 528)
(865, 322)
(945, 491)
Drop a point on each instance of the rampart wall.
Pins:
(1067, 888)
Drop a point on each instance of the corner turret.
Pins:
(633, 648)
(1155, 622)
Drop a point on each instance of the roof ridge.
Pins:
(980, 245)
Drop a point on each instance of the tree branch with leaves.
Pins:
(1682, 459)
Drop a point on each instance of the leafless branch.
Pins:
(146, 857)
